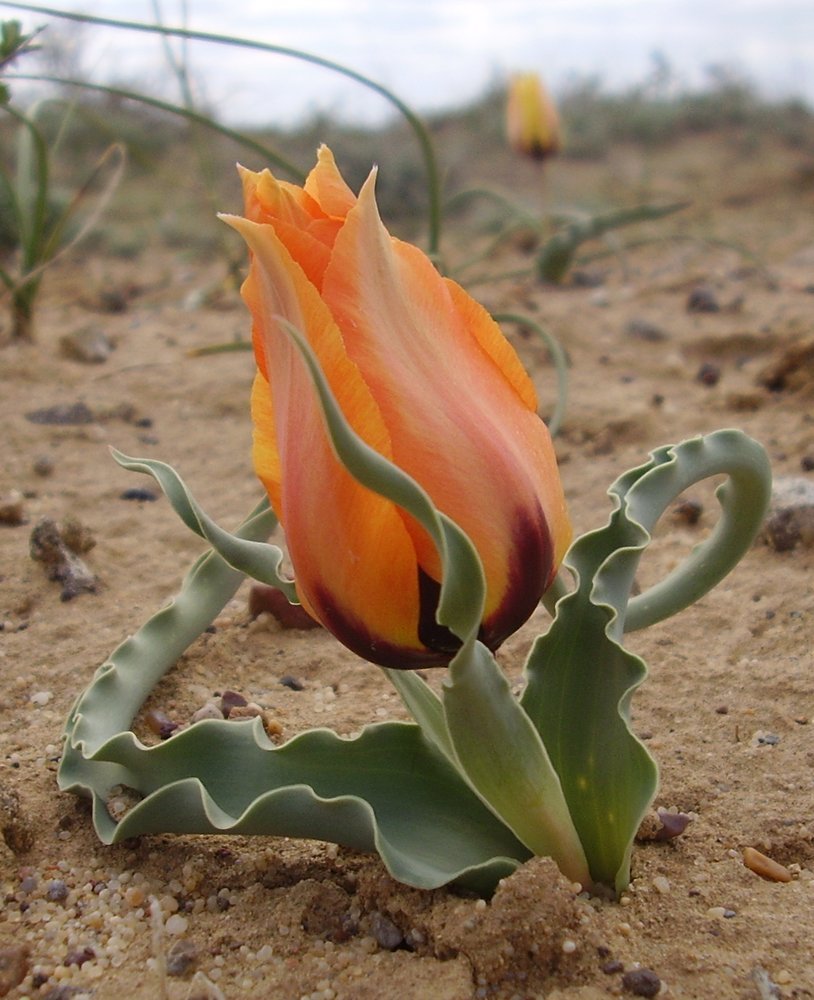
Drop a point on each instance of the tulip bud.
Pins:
(532, 123)
(426, 378)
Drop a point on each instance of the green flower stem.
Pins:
(415, 123)
(31, 203)
(558, 358)
(425, 707)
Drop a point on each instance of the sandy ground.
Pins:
(728, 709)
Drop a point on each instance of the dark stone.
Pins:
(641, 982)
(182, 958)
(62, 413)
(708, 374)
(140, 494)
(703, 299)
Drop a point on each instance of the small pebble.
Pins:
(790, 520)
(612, 967)
(46, 545)
(176, 925)
(292, 683)
(688, 511)
(765, 866)
(12, 509)
(79, 956)
(135, 896)
(89, 346)
(387, 935)
(57, 891)
(272, 601)
(43, 466)
(702, 299)
(643, 329)
(641, 982)
(230, 700)
(13, 967)
(209, 711)
(160, 723)
(182, 958)
(140, 494)
(708, 374)
(68, 414)
(77, 536)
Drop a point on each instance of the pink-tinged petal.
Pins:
(460, 419)
(541, 455)
(354, 560)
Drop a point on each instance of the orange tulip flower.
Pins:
(426, 378)
(532, 123)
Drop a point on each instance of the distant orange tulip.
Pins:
(426, 378)
(532, 122)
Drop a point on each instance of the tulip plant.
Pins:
(532, 123)
(397, 437)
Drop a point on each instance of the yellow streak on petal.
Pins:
(265, 455)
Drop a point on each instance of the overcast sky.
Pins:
(441, 53)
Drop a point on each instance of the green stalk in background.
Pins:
(39, 228)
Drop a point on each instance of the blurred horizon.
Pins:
(436, 55)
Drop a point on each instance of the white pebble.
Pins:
(40, 698)
(176, 924)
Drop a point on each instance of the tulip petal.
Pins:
(459, 411)
(327, 186)
(354, 559)
(299, 221)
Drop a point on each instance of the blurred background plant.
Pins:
(40, 221)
